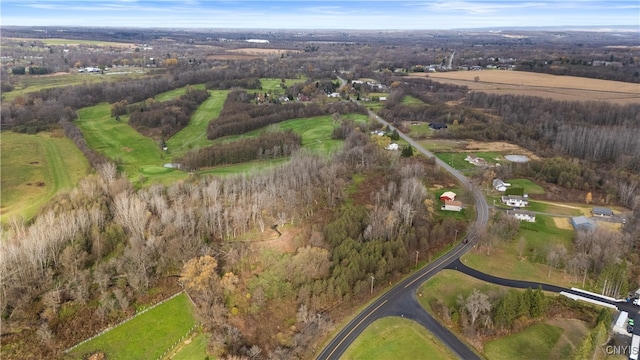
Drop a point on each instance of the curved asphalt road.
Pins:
(400, 300)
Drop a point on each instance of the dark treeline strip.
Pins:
(248, 83)
(240, 116)
(267, 145)
(168, 117)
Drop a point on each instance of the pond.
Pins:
(517, 158)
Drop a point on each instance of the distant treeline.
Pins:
(267, 145)
(239, 115)
(167, 117)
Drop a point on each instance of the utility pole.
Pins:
(372, 278)
(417, 253)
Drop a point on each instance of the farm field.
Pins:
(35, 168)
(544, 85)
(146, 336)
(75, 42)
(397, 338)
(194, 348)
(32, 83)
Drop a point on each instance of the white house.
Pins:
(476, 160)
(515, 200)
(452, 206)
(522, 215)
(392, 146)
(500, 185)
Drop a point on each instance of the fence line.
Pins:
(177, 342)
(124, 321)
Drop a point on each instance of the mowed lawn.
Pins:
(138, 156)
(397, 338)
(315, 131)
(146, 336)
(524, 257)
(35, 168)
(194, 136)
(550, 340)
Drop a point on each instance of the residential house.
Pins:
(476, 160)
(522, 215)
(500, 185)
(602, 212)
(452, 206)
(392, 146)
(583, 223)
(448, 196)
(515, 200)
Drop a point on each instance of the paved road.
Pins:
(401, 300)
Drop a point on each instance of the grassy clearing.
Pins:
(194, 136)
(447, 284)
(146, 336)
(193, 349)
(397, 338)
(523, 258)
(534, 342)
(32, 83)
(120, 142)
(420, 129)
(172, 94)
(272, 84)
(315, 131)
(529, 186)
(75, 42)
(411, 100)
(35, 168)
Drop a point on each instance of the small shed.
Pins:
(583, 223)
(602, 212)
(452, 206)
(448, 196)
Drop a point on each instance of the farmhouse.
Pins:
(583, 223)
(522, 215)
(448, 196)
(500, 185)
(452, 206)
(515, 200)
(602, 212)
(476, 160)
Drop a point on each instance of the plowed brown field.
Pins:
(544, 85)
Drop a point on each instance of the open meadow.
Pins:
(397, 338)
(544, 85)
(35, 168)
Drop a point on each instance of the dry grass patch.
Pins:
(562, 223)
(569, 88)
(256, 51)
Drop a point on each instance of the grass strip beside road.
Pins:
(397, 338)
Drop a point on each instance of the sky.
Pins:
(328, 14)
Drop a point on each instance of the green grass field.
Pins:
(35, 168)
(195, 349)
(529, 186)
(172, 94)
(194, 136)
(397, 338)
(119, 141)
(411, 100)
(535, 342)
(315, 131)
(147, 336)
(32, 83)
(525, 259)
(420, 129)
(447, 284)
